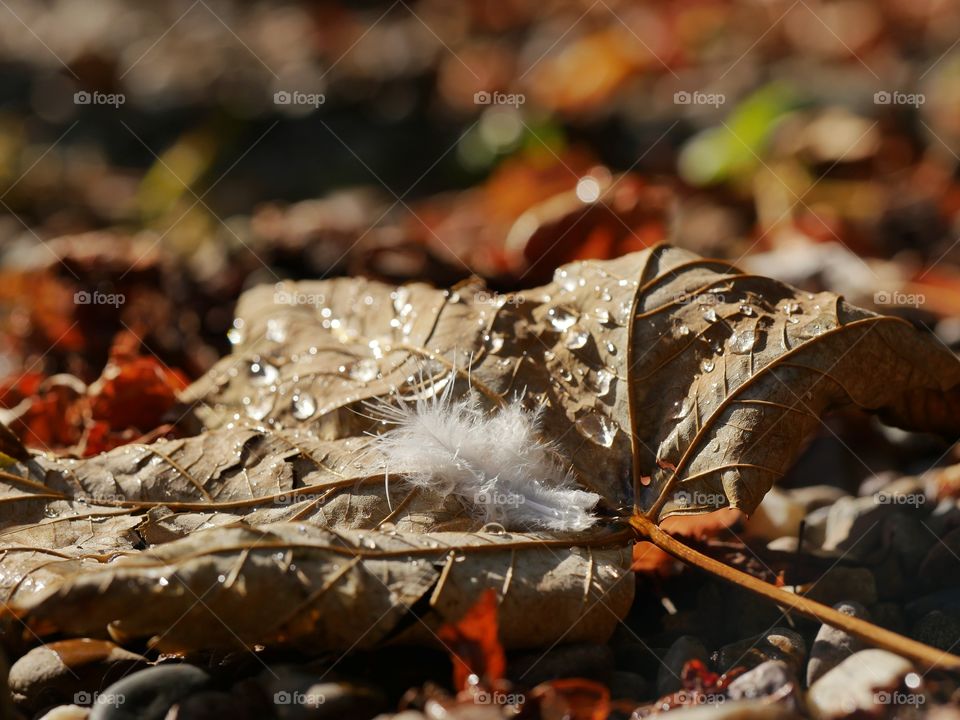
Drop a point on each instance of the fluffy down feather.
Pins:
(493, 462)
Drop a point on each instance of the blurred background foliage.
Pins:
(814, 141)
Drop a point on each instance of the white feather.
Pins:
(494, 463)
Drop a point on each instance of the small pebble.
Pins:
(628, 686)
(768, 679)
(684, 649)
(938, 629)
(939, 568)
(593, 662)
(857, 684)
(832, 646)
(148, 694)
(840, 584)
(67, 712)
(779, 643)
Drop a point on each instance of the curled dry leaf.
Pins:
(277, 514)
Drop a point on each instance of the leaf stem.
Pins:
(868, 632)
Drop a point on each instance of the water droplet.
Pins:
(401, 298)
(364, 370)
(707, 365)
(791, 308)
(494, 342)
(565, 280)
(566, 375)
(611, 348)
(598, 428)
(742, 342)
(304, 406)
(494, 528)
(710, 316)
(163, 582)
(683, 331)
(277, 330)
(235, 335)
(746, 310)
(602, 315)
(575, 338)
(261, 408)
(262, 373)
(560, 318)
(599, 382)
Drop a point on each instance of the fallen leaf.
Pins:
(475, 645)
(279, 514)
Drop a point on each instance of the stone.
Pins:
(857, 684)
(940, 567)
(773, 678)
(735, 710)
(939, 629)
(593, 662)
(854, 526)
(889, 615)
(684, 649)
(628, 686)
(909, 540)
(67, 712)
(841, 584)
(67, 672)
(778, 515)
(149, 694)
(210, 704)
(832, 645)
(812, 497)
(636, 657)
(778, 643)
(788, 544)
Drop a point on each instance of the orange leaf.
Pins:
(474, 644)
(572, 699)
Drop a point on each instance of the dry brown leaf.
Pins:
(276, 515)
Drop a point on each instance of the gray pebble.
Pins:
(148, 694)
(628, 686)
(684, 649)
(593, 662)
(40, 678)
(851, 688)
(841, 584)
(939, 629)
(778, 644)
(771, 679)
(832, 646)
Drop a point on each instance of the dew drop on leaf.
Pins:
(494, 342)
(575, 338)
(364, 370)
(742, 342)
(304, 406)
(560, 318)
(597, 428)
(263, 373)
(600, 381)
(261, 408)
(276, 330)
